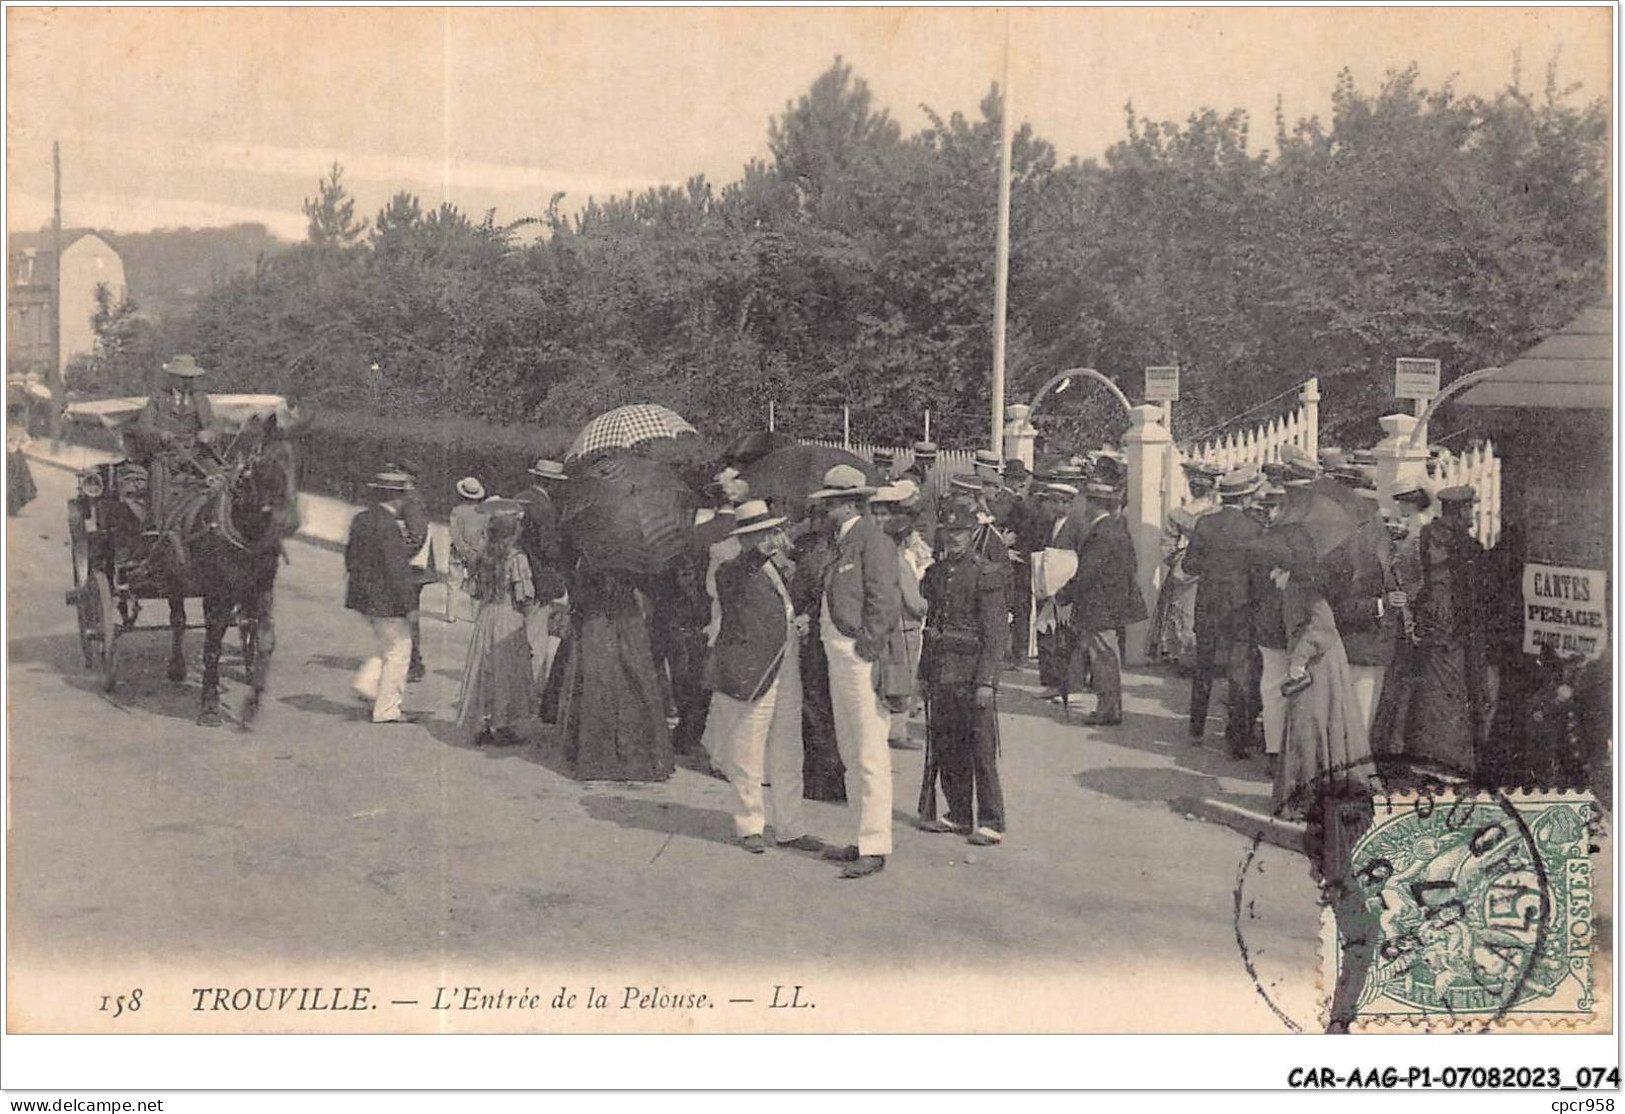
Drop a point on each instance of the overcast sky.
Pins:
(192, 116)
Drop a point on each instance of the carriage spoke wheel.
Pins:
(99, 617)
(80, 550)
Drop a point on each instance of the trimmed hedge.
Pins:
(340, 452)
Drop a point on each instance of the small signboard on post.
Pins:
(1162, 384)
(1415, 378)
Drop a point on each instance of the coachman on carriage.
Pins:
(199, 507)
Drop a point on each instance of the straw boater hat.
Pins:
(1055, 487)
(925, 450)
(990, 460)
(1301, 468)
(883, 456)
(1240, 482)
(843, 482)
(498, 506)
(547, 469)
(390, 481)
(898, 491)
(185, 367)
(753, 516)
(1202, 468)
(469, 487)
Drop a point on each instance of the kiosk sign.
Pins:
(1162, 384)
(1415, 378)
(1566, 609)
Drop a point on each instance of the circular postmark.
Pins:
(1438, 907)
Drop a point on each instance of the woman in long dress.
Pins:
(614, 720)
(498, 688)
(1325, 751)
(1173, 623)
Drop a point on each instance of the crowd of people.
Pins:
(1347, 640)
(791, 656)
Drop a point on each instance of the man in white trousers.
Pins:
(861, 629)
(755, 716)
(382, 587)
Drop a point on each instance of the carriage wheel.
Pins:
(98, 613)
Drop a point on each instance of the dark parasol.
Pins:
(621, 510)
(786, 476)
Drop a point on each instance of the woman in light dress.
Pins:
(498, 687)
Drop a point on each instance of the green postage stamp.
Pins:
(1467, 913)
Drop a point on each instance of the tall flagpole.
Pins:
(1001, 273)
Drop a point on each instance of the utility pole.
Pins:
(1001, 274)
(58, 383)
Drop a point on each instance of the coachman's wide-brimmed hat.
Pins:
(754, 516)
(843, 482)
(184, 366)
(391, 481)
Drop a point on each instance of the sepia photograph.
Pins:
(672, 521)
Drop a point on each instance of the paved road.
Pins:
(322, 845)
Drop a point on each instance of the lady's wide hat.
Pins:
(753, 516)
(843, 482)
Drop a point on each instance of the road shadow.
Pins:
(334, 661)
(669, 817)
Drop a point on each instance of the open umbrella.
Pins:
(627, 426)
(1328, 518)
(788, 475)
(623, 511)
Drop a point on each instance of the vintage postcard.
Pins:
(822, 521)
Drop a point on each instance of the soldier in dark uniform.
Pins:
(174, 432)
(964, 642)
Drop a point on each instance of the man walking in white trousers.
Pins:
(861, 628)
(382, 587)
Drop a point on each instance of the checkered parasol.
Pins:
(627, 426)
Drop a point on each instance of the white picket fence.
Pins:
(1264, 442)
(950, 462)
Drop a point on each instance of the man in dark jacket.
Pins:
(414, 522)
(921, 471)
(382, 587)
(755, 716)
(1102, 597)
(861, 629)
(965, 634)
(1218, 557)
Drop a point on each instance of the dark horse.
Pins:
(228, 543)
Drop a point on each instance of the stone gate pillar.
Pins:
(1019, 435)
(1146, 446)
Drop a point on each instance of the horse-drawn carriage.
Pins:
(216, 536)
